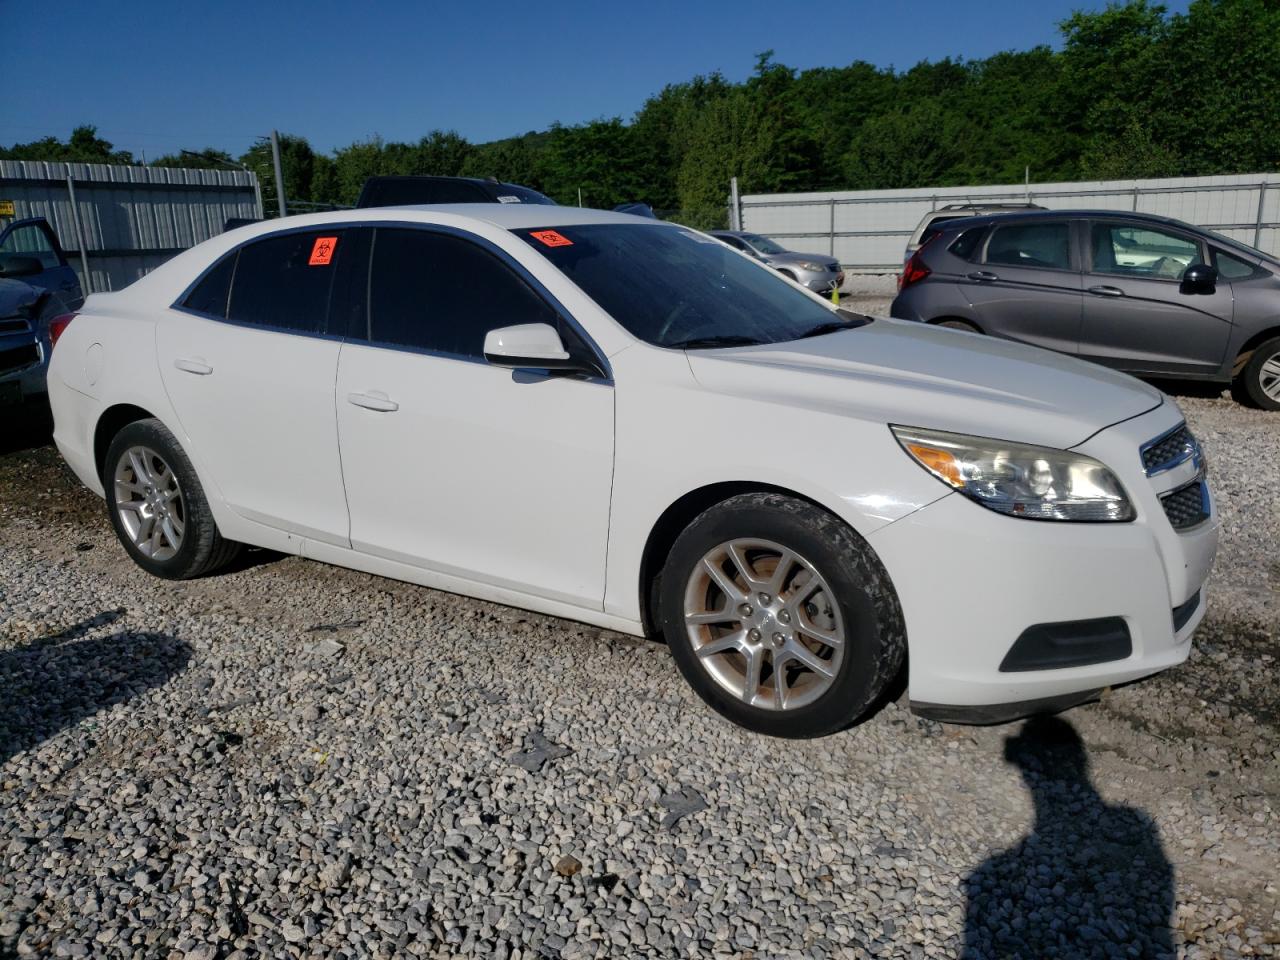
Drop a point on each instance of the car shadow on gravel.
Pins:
(54, 682)
(1091, 879)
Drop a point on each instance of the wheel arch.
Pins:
(112, 420)
(1245, 352)
(674, 519)
(938, 321)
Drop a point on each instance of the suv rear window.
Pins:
(935, 227)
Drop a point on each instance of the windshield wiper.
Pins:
(725, 340)
(847, 321)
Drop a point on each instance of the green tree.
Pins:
(84, 146)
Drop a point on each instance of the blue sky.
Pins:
(157, 77)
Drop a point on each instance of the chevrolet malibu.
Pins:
(624, 422)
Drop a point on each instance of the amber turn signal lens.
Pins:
(941, 462)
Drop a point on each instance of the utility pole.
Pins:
(275, 162)
(579, 196)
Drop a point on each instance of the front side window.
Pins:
(438, 292)
(673, 287)
(32, 241)
(1034, 244)
(1133, 250)
(284, 281)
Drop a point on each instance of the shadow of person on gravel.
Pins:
(1091, 880)
(57, 681)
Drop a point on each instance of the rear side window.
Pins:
(210, 294)
(439, 292)
(1031, 245)
(934, 228)
(967, 243)
(1232, 268)
(284, 281)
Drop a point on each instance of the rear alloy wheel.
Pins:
(1259, 382)
(157, 506)
(780, 617)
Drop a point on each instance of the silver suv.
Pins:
(928, 228)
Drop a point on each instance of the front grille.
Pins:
(14, 326)
(1166, 452)
(1186, 506)
(18, 357)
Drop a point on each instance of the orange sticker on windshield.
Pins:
(322, 251)
(551, 238)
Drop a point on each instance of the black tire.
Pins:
(1247, 386)
(958, 325)
(202, 549)
(875, 635)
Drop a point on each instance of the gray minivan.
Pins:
(1145, 294)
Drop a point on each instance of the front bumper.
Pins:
(819, 281)
(23, 368)
(972, 581)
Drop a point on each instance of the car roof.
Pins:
(507, 216)
(969, 223)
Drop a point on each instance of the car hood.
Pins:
(791, 257)
(16, 297)
(922, 376)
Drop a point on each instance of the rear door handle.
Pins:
(373, 400)
(194, 365)
(984, 276)
(1107, 291)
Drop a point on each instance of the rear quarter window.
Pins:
(966, 245)
(210, 294)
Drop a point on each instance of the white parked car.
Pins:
(622, 422)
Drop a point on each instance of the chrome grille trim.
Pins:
(1170, 450)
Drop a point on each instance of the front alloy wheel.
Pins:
(762, 621)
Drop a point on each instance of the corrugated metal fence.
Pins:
(868, 229)
(118, 222)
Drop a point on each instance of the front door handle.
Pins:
(373, 400)
(1107, 291)
(196, 365)
(983, 276)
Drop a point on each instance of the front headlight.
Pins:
(1037, 483)
(815, 267)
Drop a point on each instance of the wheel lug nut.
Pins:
(746, 610)
(754, 635)
(784, 617)
(765, 599)
(779, 640)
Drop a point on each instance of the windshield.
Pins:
(674, 287)
(763, 244)
(523, 194)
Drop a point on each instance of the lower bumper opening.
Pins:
(1075, 643)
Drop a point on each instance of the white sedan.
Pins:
(623, 422)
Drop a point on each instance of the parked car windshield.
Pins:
(763, 244)
(678, 288)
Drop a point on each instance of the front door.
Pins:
(249, 367)
(1137, 315)
(1026, 285)
(35, 238)
(460, 467)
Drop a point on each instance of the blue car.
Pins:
(37, 286)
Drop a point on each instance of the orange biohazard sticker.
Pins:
(551, 238)
(322, 251)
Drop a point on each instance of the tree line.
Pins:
(1134, 92)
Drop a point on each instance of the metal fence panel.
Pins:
(131, 219)
(868, 229)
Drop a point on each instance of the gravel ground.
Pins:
(293, 760)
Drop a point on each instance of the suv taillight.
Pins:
(56, 327)
(913, 272)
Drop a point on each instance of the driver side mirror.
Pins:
(528, 346)
(1199, 278)
(20, 266)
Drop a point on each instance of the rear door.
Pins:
(35, 238)
(1137, 314)
(249, 365)
(1026, 284)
